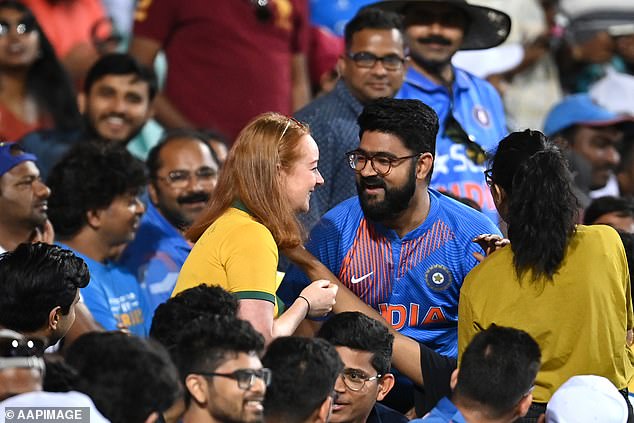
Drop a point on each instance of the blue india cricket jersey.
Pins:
(413, 281)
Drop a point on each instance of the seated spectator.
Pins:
(35, 91)
(23, 199)
(117, 101)
(586, 399)
(305, 371)
(183, 174)
(617, 212)
(590, 131)
(179, 311)
(130, 380)
(39, 289)
(96, 210)
(495, 380)
(551, 265)
(21, 364)
(365, 347)
(217, 358)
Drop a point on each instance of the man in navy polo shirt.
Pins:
(183, 174)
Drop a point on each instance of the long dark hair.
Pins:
(542, 209)
(47, 81)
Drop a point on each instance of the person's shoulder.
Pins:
(238, 225)
(597, 236)
(385, 414)
(345, 211)
(313, 111)
(470, 80)
(460, 216)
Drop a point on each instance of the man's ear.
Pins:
(324, 410)
(54, 316)
(454, 379)
(524, 405)
(424, 165)
(385, 385)
(93, 218)
(81, 102)
(152, 193)
(197, 387)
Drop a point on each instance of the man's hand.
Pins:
(489, 243)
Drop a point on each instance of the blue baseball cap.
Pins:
(579, 109)
(12, 155)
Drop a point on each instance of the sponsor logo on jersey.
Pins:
(438, 277)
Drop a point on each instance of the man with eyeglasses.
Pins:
(373, 66)
(365, 347)
(183, 173)
(302, 389)
(494, 382)
(400, 246)
(217, 359)
(471, 113)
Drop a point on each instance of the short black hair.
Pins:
(34, 279)
(89, 177)
(121, 64)
(207, 342)
(359, 332)
(622, 206)
(304, 374)
(153, 161)
(372, 18)
(412, 121)
(179, 311)
(128, 378)
(498, 368)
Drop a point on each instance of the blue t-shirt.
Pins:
(444, 412)
(477, 106)
(335, 14)
(156, 256)
(413, 281)
(114, 296)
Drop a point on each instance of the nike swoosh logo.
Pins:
(362, 278)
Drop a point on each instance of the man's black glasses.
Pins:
(363, 59)
(245, 377)
(382, 163)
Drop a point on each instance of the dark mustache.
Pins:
(372, 182)
(434, 39)
(195, 197)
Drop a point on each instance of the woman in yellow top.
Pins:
(566, 285)
(267, 179)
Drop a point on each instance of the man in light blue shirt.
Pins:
(470, 110)
(183, 174)
(495, 380)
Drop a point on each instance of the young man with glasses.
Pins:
(470, 110)
(183, 173)
(372, 66)
(401, 247)
(217, 358)
(302, 389)
(365, 347)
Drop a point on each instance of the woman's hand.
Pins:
(320, 296)
(489, 243)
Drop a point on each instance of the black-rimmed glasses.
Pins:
(364, 59)
(245, 377)
(356, 380)
(180, 178)
(382, 163)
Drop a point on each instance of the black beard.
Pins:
(90, 133)
(396, 200)
(434, 67)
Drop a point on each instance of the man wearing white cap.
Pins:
(470, 110)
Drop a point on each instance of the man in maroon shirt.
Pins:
(227, 62)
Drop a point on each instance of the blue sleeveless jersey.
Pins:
(413, 281)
